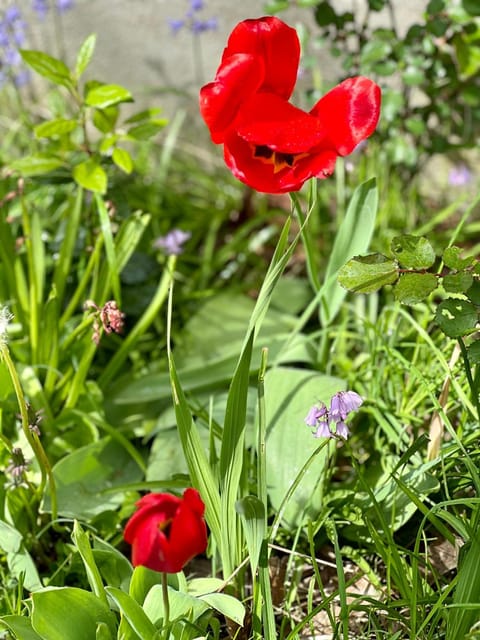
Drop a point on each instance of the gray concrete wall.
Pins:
(136, 48)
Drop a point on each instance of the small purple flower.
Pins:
(342, 403)
(172, 243)
(196, 5)
(315, 414)
(40, 7)
(191, 21)
(12, 14)
(459, 176)
(199, 26)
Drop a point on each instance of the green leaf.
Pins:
(106, 95)
(147, 130)
(252, 514)
(106, 119)
(123, 160)
(414, 287)
(57, 127)
(54, 70)
(102, 632)
(36, 165)
(453, 260)
(90, 175)
(134, 613)
(18, 559)
(289, 443)
(364, 274)
(413, 252)
(227, 605)
(473, 351)
(456, 318)
(21, 627)
(68, 612)
(375, 51)
(471, 7)
(86, 479)
(457, 282)
(462, 616)
(182, 605)
(85, 54)
(81, 541)
(352, 238)
(140, 116)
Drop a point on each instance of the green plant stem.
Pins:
(149, 315)
(32, 438)
(166, 604)
(470, 379)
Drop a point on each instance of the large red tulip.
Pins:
(269, 144)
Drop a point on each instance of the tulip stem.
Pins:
(166, 603)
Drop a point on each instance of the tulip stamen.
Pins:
(279, 159)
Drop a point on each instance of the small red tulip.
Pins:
(166, 531)
(269, 144)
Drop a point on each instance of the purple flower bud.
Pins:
(315, 414)
(196, 5)
(12, 14)
(175, 25)
(342, 430)
(64, 5)
(323, 430)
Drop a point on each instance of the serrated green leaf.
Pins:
(90, 175)
(57, 127)
(85, 54)
(36, 165)
(452, 260)
(414, 287)
(457, 282)
(413, 252)
(456, 317)
(106, 95)
(365, 274)
(123, 160)
(51, 68)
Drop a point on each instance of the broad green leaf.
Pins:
(413, 252)
(114, 567)
(85, 54)
(133, 612)
(106, 95)
(289, 394)
(365, 274)
(471, 7)
(202, 586)
(227, 605)
(453, 260)
(57, 127)
(457, 282)
(68, 612)
(90, 175)
(456, 318)
(21, 627)
(102, 632)
(147, 114)
(352, 238)
(182, 605)
(36, 165)
(122, 159)
(252, 515)
(51, 68)
(86, 479)
(18, 559)
(414, 287)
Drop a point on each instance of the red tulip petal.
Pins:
(188, 532)
(268, 120)
(237, 79)
(274, 42)
(150, 549)
(349, 112)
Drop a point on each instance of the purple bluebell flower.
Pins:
(459, 176)
(40, 7)
(342, 403)
(199, 26)
(172, 243)
(12, 14)
(191, 21)
(196, 5)
(315, 414)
